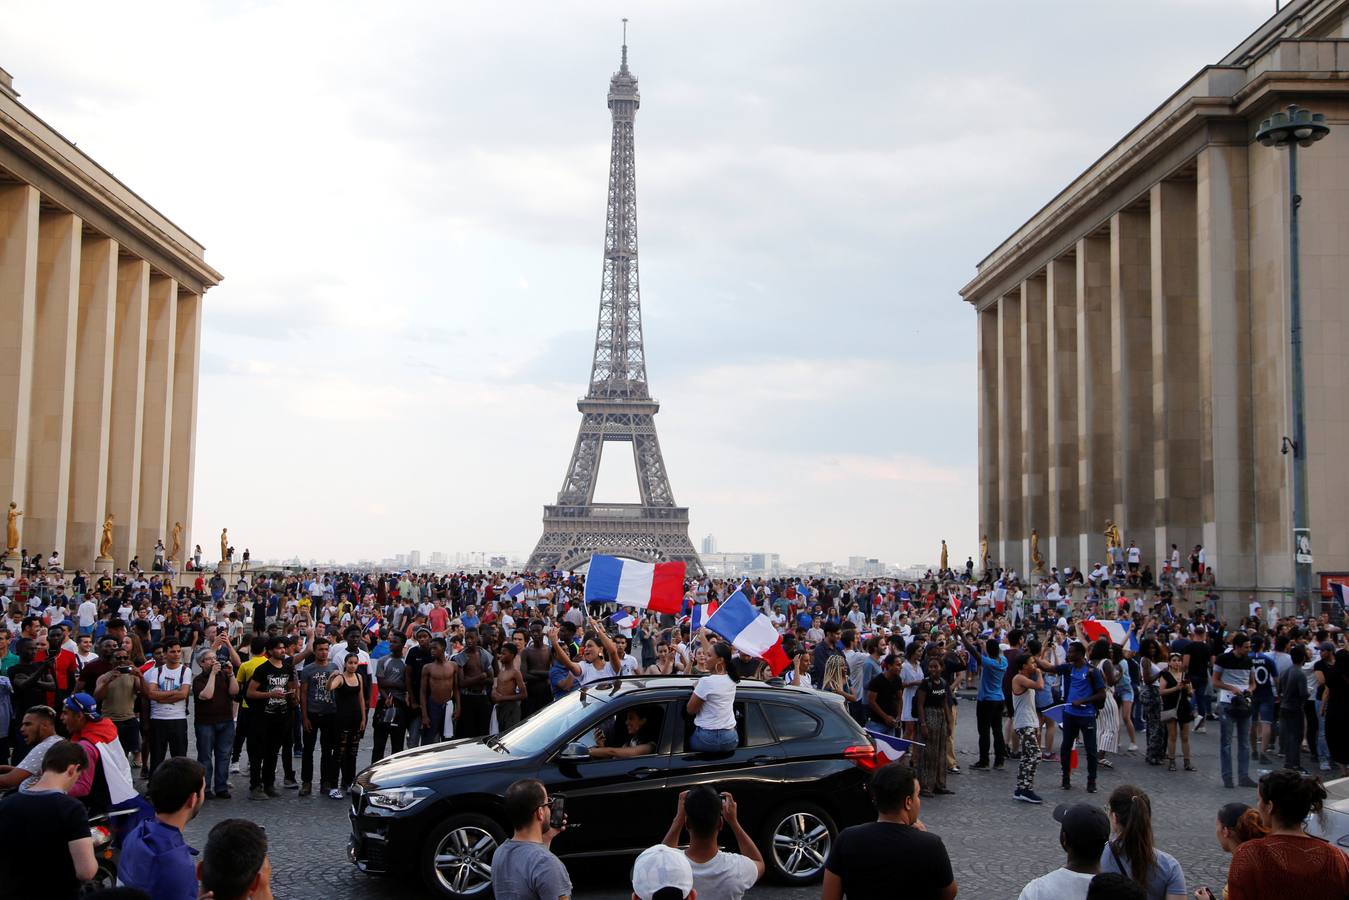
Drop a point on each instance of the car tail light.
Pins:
(100, 835)
(864, 755)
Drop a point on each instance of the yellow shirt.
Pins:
(246, 670)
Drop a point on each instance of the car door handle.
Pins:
(644, 772)
(762, 761)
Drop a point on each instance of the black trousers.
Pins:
(393, 733)
(324, 735)
(988, 715)
(1313, 729)
(268, 733)
(1292, 722)
(1073, 726)
(476, 713)
(167, 737)
(240, 732)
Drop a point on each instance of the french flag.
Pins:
(954, 606)
(803, 592)
(629, 582)
(891, 747)
(623, 619)
(701, 613)
(1114, 631)
(515, 590)
(750, 632)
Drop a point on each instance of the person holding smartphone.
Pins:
(524, 867)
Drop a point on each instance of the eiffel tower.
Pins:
(618, 408)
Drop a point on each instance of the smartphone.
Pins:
(559, 814)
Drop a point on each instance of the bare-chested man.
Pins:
(509, 689)
(440, 685)
(538, 659)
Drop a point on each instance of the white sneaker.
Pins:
(1133, 748)
(335, 793)
(234, 768)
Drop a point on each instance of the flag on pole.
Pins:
(629, 582)
(701, 613)
(750, 632)
(891, 747)
(954, 605)
(623, 619)
(1115, 631)
(803, 592)
(515, 590)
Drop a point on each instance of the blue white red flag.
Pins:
(749, 631)
(891, 747)
(1054, 713)
(515, 590)
(623, 619)
(701, 613)
(628, 582)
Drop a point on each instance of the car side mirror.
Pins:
(575, 753)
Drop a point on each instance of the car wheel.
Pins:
(457, 859)
(796, 842)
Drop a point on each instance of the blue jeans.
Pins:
(214, 743)
(1234, 726)
(1322, 750)
(1203, 698)
(706, 740)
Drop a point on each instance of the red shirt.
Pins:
(1266, 867)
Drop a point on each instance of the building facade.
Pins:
(101, 300)
(1133, 336)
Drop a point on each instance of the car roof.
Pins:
(639, 683)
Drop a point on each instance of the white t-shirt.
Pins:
(718, 694)
(591, 672)
(1060, 884)
(165, 679)
(88, 613)
(725, 876)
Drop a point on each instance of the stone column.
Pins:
(161, 339)
(1010, 522)
(53, 401)
(1095, 406)
(128, 406)
(1227, 480)
(1175, 370)
(18, 303)
(1034, 417)
(182, 442)
(1131, 370)
(93, 400)
(1061, 411)
(990, 491)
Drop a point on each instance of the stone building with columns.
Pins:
(1133, 335)
(100, 337)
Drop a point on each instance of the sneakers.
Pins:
(272, 791)
(335, 793)
(955, 770)
(997, 767)
(1067, 785)
(943, 791)
(234, 767)
(1091, 787)
(258, 793)
(1026, 796)
(1049, 757)
(290, 783)
(222, 795)
(1246, 782)
(1133, 748)
(979, 765)
(306, 788)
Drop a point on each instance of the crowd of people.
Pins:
(280, 667)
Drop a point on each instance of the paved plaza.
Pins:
(996, 844)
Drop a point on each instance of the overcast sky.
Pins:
(407, 203)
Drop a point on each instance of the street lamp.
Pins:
(1292, 129)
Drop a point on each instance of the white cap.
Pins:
(661, 867)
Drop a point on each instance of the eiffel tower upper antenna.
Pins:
(625, 45)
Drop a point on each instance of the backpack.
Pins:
(1097, 684)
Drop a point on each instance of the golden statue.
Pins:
(224, 544)
(1112, 535)
(12, 536)
(105, 542)
(177, 539)
(983, 553)
(944, 566)
(1036, 560)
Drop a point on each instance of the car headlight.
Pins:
(397, 799)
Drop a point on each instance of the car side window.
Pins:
(648, 719)
(791, 723)
(755, 732)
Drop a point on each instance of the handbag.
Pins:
(1239, 706)
(1169, 715)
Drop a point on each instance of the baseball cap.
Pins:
(1326, 647)
(1085, 823)
(83, 703)
(660, 868)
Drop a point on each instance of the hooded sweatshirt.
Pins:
(157, 860)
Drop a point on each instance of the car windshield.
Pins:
(562, 716)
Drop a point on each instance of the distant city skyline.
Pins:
(407, 205)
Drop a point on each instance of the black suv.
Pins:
(798, 776)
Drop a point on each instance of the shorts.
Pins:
(1125, 693)
(129, 735)
(1266, 711)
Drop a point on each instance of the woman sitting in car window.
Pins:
(639, 737)
(712, 703)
